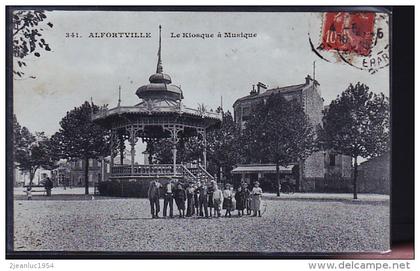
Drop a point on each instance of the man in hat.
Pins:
(210, 190)
(217, 200)
(48, 184)
(153, 195)
(203, 199)
(168, 198)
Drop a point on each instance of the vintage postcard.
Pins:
(199, 131)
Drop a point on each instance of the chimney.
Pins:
(260, 86)
(308, 79)
(253, 92)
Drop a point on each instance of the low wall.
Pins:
(132, 188)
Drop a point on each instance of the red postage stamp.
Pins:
(348, 32)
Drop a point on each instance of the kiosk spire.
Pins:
(159, 68)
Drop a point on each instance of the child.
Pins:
(227, 200)
(180, 196)
(190, 200)
(256, 199)
(29, 192)
(248, 201)
(217, 199)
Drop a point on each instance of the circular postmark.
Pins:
(359, 39)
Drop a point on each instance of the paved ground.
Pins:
(301, 224)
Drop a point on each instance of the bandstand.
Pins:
(159, 114)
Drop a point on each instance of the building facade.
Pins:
(321, 168)
(72, 173)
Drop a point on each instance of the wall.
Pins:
(374, 175)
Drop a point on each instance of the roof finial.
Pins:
(119, 95)
(159, 68)
(313, 73)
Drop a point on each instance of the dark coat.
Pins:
(203, 194)
(180, 194)
(48, 184)
(240, 198)
(154, 192)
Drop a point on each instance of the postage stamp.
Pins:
(348, 32)
(359, 39)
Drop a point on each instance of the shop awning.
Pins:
(270, 168)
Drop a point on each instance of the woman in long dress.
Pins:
(256, 199)
(180, 197)
(240, 197)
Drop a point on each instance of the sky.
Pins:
(77, 69)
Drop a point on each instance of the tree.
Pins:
(279, 132)
(27, 37)
(31, 151)
(357, 124)
(222, 147)
(188, 150)
(80, 138)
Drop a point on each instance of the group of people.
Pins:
(204, 199)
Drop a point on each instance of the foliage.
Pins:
(357, 124)
(279, 132)
(80, 138)
(188, 150)
(222, 146)
(27, 36)
(31, 152)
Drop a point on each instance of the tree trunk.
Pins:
(278, 178)
(87, 176)
(31, 177)
(355, 179)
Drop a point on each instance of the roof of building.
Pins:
(159, 98)
(260, 168)
(268, 92)
(384, 157)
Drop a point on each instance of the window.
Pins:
(90, 162)
(80, 164)
(332, 159)
(246, 113)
